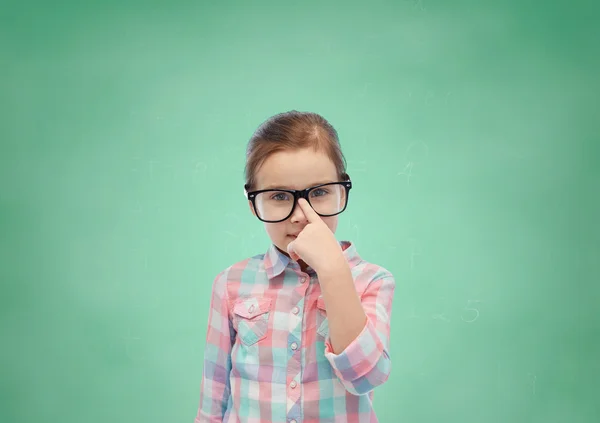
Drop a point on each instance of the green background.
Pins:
(471, 134)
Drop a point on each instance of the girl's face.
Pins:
(298, 169)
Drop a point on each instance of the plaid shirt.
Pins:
(268, 357)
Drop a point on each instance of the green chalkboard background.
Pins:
(471, 130)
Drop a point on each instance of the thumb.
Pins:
(292, 252)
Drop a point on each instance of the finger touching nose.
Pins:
(298, 215)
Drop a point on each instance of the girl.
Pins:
(299, 334)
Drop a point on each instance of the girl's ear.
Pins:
(251, 208)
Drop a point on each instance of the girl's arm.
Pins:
(215, 387)
(359, 329)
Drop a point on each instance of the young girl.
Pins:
(299, 334)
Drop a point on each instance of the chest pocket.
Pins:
(252, 316)
(322, 322)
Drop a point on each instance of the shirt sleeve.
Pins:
(365, 363)
(215, 386)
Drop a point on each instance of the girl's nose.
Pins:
(298, 215)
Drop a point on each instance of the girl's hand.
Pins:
(316, 244)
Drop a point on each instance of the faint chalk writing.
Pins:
(415, 153)
(419, 4)
(364, 90)
(429, 96)
(413, 314)
(137, 208)
(448, 94)
(407, 171)
(135, 167)
(130, 341)
(173, 169)
(143, 261)
(470, 313)
(151, 163)
(357, 166)
(198, 171)
(532, 381)
(414, 252)
(442, 315)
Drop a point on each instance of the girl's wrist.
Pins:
(334, 269)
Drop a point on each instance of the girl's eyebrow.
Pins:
(277, 186)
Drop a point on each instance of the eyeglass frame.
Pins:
(303, 193)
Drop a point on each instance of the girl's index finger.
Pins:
(309, 212)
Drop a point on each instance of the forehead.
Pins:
(297, 169)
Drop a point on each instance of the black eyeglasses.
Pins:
(276, 205)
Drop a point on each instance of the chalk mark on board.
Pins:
(238, 223)
(413, 314)
(129, 339)
(144, 258)
(361, 166)
(199, 167)
(419, 3)
(364, 90)
(407, 171)
(146, 262)
(174, 169)
(135, 159)
(414, 252)
(152, 163)
(448, 94)
(440, 316)
(409, 153)
(469, 307)
(137, 209)
(532, 380)
(429, 96)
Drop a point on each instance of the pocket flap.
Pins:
(252, 307)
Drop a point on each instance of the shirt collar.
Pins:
(275, 261)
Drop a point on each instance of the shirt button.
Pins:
(293, 384)
(295, 310)
(294, 346)
(251, 309)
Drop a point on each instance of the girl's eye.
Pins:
(319, 192)
(280, 196)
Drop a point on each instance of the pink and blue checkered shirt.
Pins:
(268, 357)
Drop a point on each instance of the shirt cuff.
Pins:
(360, 356)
